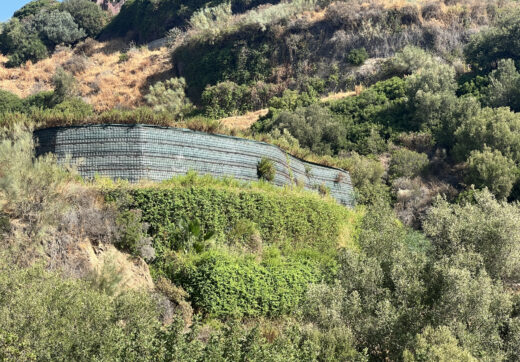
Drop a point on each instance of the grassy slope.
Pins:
(106, 83)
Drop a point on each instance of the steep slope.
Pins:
(105, 78)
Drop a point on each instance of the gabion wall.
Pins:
(136, 152)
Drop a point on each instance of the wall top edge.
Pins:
(185, 130)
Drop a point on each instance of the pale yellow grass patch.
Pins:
(106, 83)
(244, 121)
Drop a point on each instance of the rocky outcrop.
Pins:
(113, 6)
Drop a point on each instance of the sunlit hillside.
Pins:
(111, 74)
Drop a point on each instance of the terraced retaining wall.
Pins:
(136, 152)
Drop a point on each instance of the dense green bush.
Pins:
(314, 127)
(86, 14)
(222, 285)
(228, 98)
(147, 20)
(75, 106)
(169, 96)
(20, 44)
(492, 170)
(65, 85)
(437, 344)
(487, 47)
(493, 127)
(504, 86)
(481, 224)
(41, 25)
(57, 27)
(10, 102)
(266, 169)
(34, 7)
(299, 217)
(44, 317)
(406, 163)
(357, 56)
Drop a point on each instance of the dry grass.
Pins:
(244, 121)
(339, 95)
(106, 83)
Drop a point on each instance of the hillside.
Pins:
(104, 81)
(289, 181)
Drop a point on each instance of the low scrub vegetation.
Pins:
(425, 267)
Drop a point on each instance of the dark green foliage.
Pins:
(34, 7)
(360, 123)
(266, 169)
(41, 100)
(10, 102)
(86, 14)
(492, 170)
(242, 61)
(406, 163)
(228, 98)
(314, 127)
(75, 106)
(37, 28)
(483, 225)
(292, 99)
(504, 86)
(496, 128)
(487, 47)
(20, 44)
(472, 84)
(64, 85)
(302, 219)
(188, 236)
(222, 285)
(44, 317)
(147, 20)
(131, 231)
(357, 56)
(57, 27)
(437, 344)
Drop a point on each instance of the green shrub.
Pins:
(222, 285)
(20, 44)
(302, 218)
(481, 224)
(406, 163)
(357, 56)
(169, 96)
(225, 99)
(492, 170)
(131, 231)
(266, 169)
(487, 47)
(65, 85)
(40, 100)
(34, 7)
(496, 128)
(86, 14)
(437, 344)
(314, 127)
(57, 27)
(504, 86)
(75, 106)
(10, 102)
(45, 317)
(123, 57)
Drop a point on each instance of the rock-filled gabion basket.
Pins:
(143, 152)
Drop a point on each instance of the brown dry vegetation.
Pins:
(103, 80)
